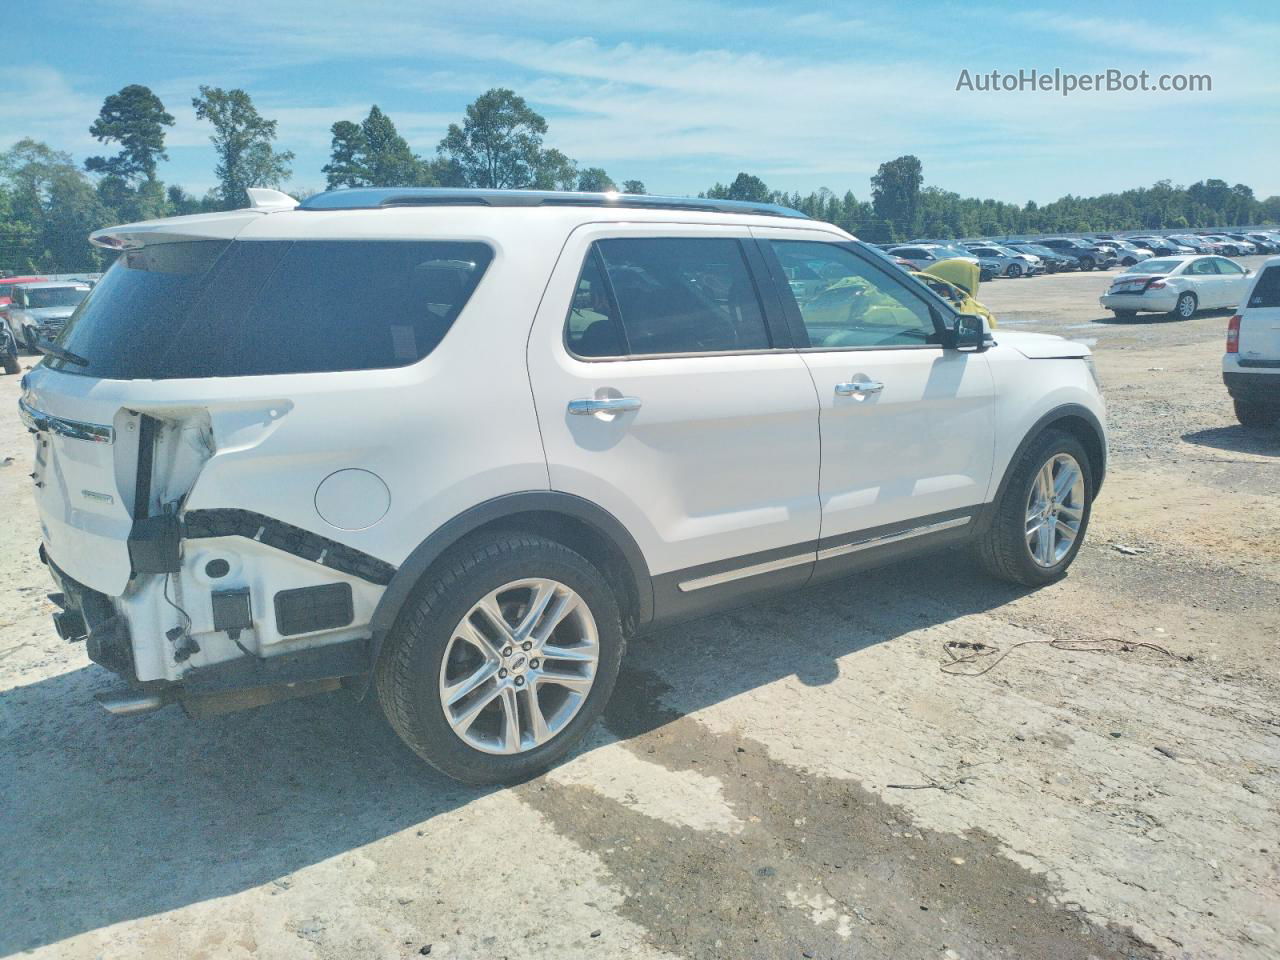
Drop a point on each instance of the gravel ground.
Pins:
(794, 779)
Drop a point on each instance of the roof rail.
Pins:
(372, 198)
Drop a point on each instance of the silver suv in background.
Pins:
(43, 308)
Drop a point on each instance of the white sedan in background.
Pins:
(1178, 286)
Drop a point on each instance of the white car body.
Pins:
(732, 474)
(1166, 284)
(922, 255)
(1251, 364)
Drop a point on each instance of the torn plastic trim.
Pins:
(227, 522)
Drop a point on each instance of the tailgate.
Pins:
(85, 465)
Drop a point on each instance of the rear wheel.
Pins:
(1186, 306)
(1041, 518)
(1258, 415)
(10, 364)
(503, 660)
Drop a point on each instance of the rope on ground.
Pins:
(976, 654)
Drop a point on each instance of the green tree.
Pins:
(56, 205)
(243, 139)
(895, 193)
(134, 118)
(499, 144)
(745, 186)
(554, 171)
(373, 154)
(633, 186)
(595, 180)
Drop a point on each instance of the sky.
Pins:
(684, 93)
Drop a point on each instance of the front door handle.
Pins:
(588, 407)
(858, 388)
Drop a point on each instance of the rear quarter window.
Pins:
(259, 307)
(1266, 292)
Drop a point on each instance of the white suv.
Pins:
(459, 444)
(1251, 365)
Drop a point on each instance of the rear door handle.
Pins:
(589, 406)
(858, 388)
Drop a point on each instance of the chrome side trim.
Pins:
(857, 545)
(75, 429)
(769, 566)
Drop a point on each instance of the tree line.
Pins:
(49, 203)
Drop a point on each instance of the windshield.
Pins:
(55, 297)
(218, 308)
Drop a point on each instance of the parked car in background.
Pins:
(921, 255)
(1165, 246)
(879, 250)
(268, 463)
(1178, 286)
(1268, 242)
(43, 307)
(1053, 260)
(1196, 244)
(1126, 253)
(1087, 255)
(1251, 364)
(1248, 246)
(8, 283)
(1224, 245)
(1010, 263)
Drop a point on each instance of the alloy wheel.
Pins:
(1186, 306)
(1055, 509)
(519, 666)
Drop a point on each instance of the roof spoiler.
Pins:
(224, 225)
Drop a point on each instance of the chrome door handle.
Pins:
(857, 388)
(593, 405)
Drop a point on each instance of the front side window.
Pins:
(1228, 268)
(1202, 268)
(859, 305)
(659, 296)
(216, 308)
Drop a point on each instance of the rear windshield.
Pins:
(1266, 292)
(1155, 266)
(218, 308)
(41, 298)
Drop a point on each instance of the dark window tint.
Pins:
(858, 304)
(593, 329)
(1267, 291)
(222, 309)
(672, 295)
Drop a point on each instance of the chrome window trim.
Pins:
(38, 420)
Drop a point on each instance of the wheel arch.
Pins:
(573, 521)
(1077, 420)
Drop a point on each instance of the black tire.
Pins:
(1186, 307)
(1014, 271)
(11, 364)
(408, 669)
(1125, 314)
(1002, 547)
(1256, 415)
(1128, 261)
(1087, 263)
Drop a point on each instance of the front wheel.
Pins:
(10, 363)
(1014, 271)
(1041, 517)
(504, 659)
(1256, 415)
(1087, 263)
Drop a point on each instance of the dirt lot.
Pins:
(795, 779)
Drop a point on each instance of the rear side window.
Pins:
(1266, 293)
(244, 308)
(665, 295)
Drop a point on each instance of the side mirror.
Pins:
(969, 333)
